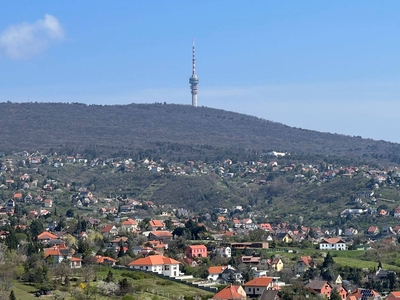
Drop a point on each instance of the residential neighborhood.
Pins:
(226, 246)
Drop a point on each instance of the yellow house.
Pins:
(284, 237)
(277, 264)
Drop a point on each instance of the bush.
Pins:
(136, 275)
(164, 283)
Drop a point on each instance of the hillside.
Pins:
(169, 128)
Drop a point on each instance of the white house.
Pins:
(157, 264)
(332, 244)
(257, 286)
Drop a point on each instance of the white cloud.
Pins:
(25, 40)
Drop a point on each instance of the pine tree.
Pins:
(328, 261)
(110, 276)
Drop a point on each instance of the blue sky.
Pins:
(331, 66)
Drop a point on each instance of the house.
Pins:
(129, 225)
(373, 230)
(45, 237)
(158, 264)
(303, 265)
(156, 225)
(341, 290)
(193, 251)
(109, 230)
(75, 262)
(333, 244)
(393, 296)
(215, 272)
(247, 223)
(48, 203)
(224, 252)
(250, 260)
(231, 275)
(364, 294)
(231, 292)
(266, 227)
(104, 260)
(256, 287)
(277, 264)
(270, 295)
(17, 197)
(160, 235)
(57, 254)
(283, 237)
(397, 212)
(321, 287)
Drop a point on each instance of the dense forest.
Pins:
(169, 130)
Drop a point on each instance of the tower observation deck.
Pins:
(193, 80)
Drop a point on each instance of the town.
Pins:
(66, 229)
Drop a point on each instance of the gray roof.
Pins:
(269, 295)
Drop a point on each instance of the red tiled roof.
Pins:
(260, 281)
(46, 236)
(153, 260)
(160, 233)
(129, 222)
(156, 223)
(53, 251)
(307, 260)
(229, 293)
(216, 269)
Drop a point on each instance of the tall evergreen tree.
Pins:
(328, 261)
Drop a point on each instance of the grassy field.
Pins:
(351, 258)
(23, 291)
(146, 287)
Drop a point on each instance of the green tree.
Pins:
(328, 261)
(36, 228)
(335, 295)
(110, 276)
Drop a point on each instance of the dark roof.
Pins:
(316, 284)
(270, 295)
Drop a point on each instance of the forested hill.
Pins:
(41, 126)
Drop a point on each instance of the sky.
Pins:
(330, 66)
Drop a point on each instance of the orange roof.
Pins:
(18, 195)
(102, 259)
(333, 240)
(153, 260)
(260, 281)
(75, 259)
(229, 292)
(47, 236)
(161, 233)
(216, 269)
(129, 222)
(53, 251)
(307, 260)
(394, 295)
(107, 228)
(156, 223)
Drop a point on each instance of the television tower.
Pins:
(194, 80)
